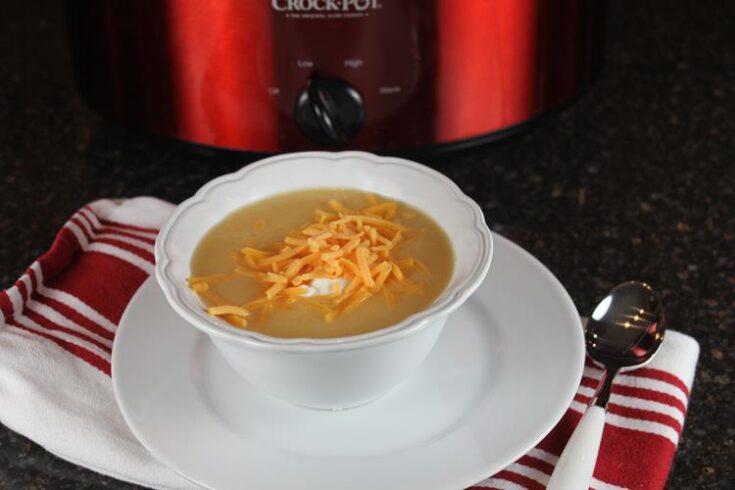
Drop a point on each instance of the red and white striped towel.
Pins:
(59, 319)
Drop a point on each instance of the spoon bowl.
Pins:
(627, 327)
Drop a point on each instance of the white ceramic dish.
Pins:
(501, 375)
(327, 373)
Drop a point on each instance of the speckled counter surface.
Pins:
(636, 180)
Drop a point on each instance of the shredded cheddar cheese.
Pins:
(353, 246)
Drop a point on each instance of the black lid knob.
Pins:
(329, 111)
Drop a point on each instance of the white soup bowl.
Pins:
(331, 373)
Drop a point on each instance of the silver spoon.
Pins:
(623, 333)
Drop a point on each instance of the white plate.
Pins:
(500, 377)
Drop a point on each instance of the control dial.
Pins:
(329, 111)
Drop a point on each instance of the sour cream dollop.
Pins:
(322, 286)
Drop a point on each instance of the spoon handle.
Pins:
(574, 469)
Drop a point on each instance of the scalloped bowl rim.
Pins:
(450, 299)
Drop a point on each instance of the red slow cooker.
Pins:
(381, 75)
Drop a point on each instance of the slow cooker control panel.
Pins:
(329, 111)
(349, 73)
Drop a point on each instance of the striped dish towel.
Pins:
(58, 322)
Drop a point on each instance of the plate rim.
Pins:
(532, 441)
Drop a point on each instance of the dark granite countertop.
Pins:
(636, 180)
